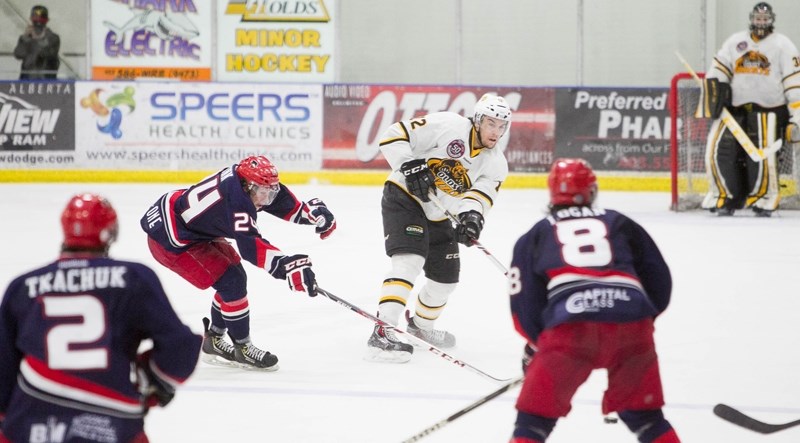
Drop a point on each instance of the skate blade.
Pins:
(215, 360)
(381, 356)
(247, 367)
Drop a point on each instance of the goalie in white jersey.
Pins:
(757, 74)
(453, 157)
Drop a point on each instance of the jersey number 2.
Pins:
(68, 343)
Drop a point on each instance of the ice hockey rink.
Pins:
(729, 336)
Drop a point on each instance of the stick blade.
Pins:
(732, 415)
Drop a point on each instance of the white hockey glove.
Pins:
(296, 270)
(317, 213)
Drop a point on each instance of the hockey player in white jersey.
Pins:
(756, 73)
(453, 157)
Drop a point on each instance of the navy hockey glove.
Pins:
(527, 356)
(296, 270)
(469, 227)
(154, 390)
(419, 179)
(318, 214)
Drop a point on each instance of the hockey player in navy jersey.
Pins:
(454, 157)
(187, 231)
(586, 284)
(71, 367)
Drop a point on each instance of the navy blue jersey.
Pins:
(219, 207)
(586, 264)
(69, 332)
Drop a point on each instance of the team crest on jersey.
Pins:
(741, 46)
(752, 62)
(456, 149)
(451, 175)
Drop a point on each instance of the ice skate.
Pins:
(383, 346)
(249, 357)
(216, 350)
(436, 337)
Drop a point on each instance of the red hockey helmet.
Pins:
(258, 170)
(571, 182)
(89, 222)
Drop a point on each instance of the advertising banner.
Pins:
(34, 117)
(178, 126)
(276, 41)
(357, 115)
(151, 39)
(615, 129)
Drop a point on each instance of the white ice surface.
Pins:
(730, 335)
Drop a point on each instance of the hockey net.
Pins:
(688, 151)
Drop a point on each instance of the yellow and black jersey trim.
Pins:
(722, 68)
(474, 145)
(478, 196)
(403, 138)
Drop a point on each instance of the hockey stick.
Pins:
(476, 243)
(431, 429)
(423, 343)
(738, 418)
(756, 154)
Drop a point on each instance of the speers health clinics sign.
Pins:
(169, 39)
(197, 126)
(275, 41)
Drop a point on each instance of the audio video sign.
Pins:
(37, 116)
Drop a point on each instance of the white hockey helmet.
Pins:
(493, 106)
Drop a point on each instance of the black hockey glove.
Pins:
(154, 390)
(716, 95)
(527, 356)
(319, 215)
(469, 227)
(419, 179)
(296, 270)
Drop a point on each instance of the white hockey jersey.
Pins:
(468, 177)
(764, 72)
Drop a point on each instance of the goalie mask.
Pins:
(762, 20)
(259, 179)
(89, 223)
(572, 183)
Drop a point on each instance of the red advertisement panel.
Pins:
(357, 115)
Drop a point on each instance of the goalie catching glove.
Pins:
(419, 179)
(296, 270)
(154, 389)
(315, 212)
(469, 227)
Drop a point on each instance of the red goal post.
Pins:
(688, 135)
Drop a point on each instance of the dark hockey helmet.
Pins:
(258, 170)
(571, 182)
(762, 20)
(39, 15)
(89, 222)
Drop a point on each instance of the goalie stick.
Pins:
(428, 346)
(476, 243)
(755, 153)
(738, 418)
(431, 429)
